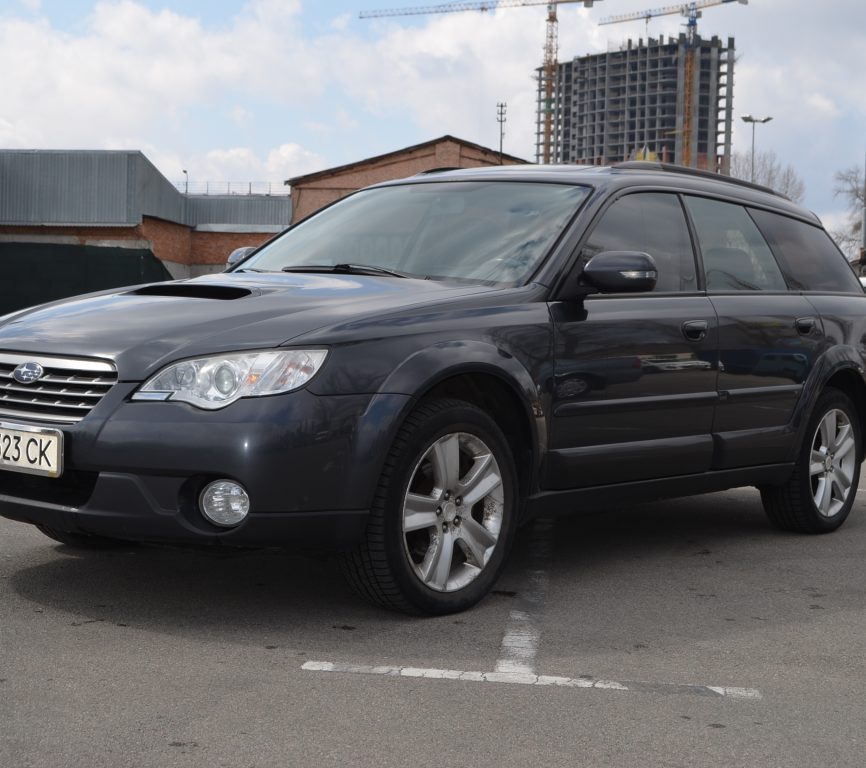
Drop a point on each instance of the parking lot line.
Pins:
(517, 678)
(520, 642)
(519, 648)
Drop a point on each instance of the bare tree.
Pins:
(769, 172)
(849, 185)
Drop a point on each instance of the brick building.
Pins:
(316, 190)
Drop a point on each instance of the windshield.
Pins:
(494, 232)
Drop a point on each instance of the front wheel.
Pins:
(444, 513)
(821, 491)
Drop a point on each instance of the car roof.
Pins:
(623, 175)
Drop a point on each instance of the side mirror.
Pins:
(238, 254)
(620, 272)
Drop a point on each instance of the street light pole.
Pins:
(186, 182)
(753, 120)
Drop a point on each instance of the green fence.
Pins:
(33, 273)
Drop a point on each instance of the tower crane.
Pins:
(692, 11)
(551, 41)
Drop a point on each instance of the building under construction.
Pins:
(669, 100)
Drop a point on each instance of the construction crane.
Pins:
(692, 11)
(551, 42)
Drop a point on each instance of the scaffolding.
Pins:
(629, 104)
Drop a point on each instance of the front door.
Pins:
(635, 375)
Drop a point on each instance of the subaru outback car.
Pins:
(410, 374)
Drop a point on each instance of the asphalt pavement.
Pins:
(678, 633)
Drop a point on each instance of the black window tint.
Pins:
(736, 256)
(809, 259)
(653, 223)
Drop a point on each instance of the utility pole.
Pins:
(500, 118)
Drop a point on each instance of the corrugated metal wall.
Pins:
(240, 209)
(43, 186)
(155, 194)
(114, 188)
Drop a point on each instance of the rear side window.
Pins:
(652, 223)
(809, 259)
(736, 256)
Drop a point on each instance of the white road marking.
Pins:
(516, 664)
(520, 641)
(518, 678)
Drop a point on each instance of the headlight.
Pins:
(215, 382)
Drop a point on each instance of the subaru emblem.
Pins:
(27, 373)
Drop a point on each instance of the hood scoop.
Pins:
(193, 291)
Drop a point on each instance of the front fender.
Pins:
(424, 370)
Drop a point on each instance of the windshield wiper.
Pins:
(346, 269)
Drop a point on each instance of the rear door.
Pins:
(769, 336)
(635, 374)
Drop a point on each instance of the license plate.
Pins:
(34, 450)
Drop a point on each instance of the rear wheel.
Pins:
(821, 491)
(444, 513)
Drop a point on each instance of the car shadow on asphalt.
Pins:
(264, 597)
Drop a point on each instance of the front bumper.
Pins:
(134, 470)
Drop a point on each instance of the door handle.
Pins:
(695, 330)
(805, 325)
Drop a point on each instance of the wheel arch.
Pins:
(850, 381)
(849, 377)
(489, 378)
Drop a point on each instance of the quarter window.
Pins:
(736, 256)
(652, 223)
(808, 256)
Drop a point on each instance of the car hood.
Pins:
(143, 328)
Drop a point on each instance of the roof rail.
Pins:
(649, 165)
(443, 169)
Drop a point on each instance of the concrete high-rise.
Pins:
(631, 103)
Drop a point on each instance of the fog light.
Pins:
(224, 503)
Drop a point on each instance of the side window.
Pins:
(655, 224)
(809, 258)
(736, 256)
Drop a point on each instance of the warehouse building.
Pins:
(73, 221)
(669, 100)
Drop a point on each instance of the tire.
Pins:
(443, 516)
(82, 540)
(821, 491)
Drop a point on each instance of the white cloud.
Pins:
(239, 99)
(240, 115)
(243, 164)
(342, 22)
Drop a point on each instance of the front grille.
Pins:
(67, 391)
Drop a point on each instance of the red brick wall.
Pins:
(82, 234)
(169, 241)
(215, 247)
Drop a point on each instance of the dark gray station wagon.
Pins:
(411, 373)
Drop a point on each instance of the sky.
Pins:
(265, 90)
